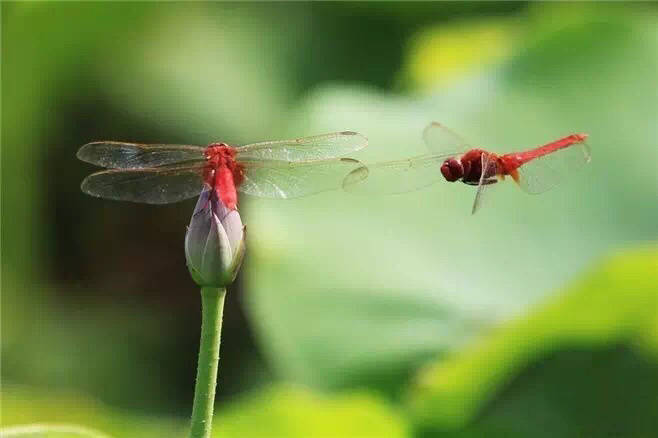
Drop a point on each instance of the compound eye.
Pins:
(452, 170)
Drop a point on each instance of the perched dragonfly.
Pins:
(535, 170)
(164, 173)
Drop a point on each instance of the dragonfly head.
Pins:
(452, 169)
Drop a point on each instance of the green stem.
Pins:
(212, 307)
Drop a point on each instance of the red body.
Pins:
(513, 161)
(468, 168)
(223, 173)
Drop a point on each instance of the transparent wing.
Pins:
(118, 155)
(152, 186)
(282, 179)
(394, 177)
(488, 177)
(543, 173)
(442, 140)
(319, 147)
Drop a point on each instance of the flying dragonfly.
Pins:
(165, 173)
(534, 170)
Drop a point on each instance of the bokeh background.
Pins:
(353, 316)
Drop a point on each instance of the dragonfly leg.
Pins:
(485, 182)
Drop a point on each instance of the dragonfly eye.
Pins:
(452, 169)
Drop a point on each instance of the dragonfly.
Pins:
(534, 170)
(166, 173)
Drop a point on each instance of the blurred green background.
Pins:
(385, 316)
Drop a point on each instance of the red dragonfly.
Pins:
(535, 170)
(164, 173)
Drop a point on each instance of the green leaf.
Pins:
(359, 337)
(50, 431)
(603, 326)
(344, 289)
(296, 412)
(61, 413)
(281, 411)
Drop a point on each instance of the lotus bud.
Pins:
(214, 242)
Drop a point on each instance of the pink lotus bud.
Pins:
(214, 242)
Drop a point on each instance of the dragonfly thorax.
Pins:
(222, 172)
(219, 154)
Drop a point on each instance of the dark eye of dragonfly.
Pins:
(452, 169)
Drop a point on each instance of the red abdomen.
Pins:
(225, 187)
(513, 161)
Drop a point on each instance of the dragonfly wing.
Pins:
(394, 177)
(319, 147)
(118, 155)
(442, 140)
(151, 186)
(543, 173)
(283, 179)
(487, 178)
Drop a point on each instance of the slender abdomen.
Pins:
(225, 186)
(515, 160)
